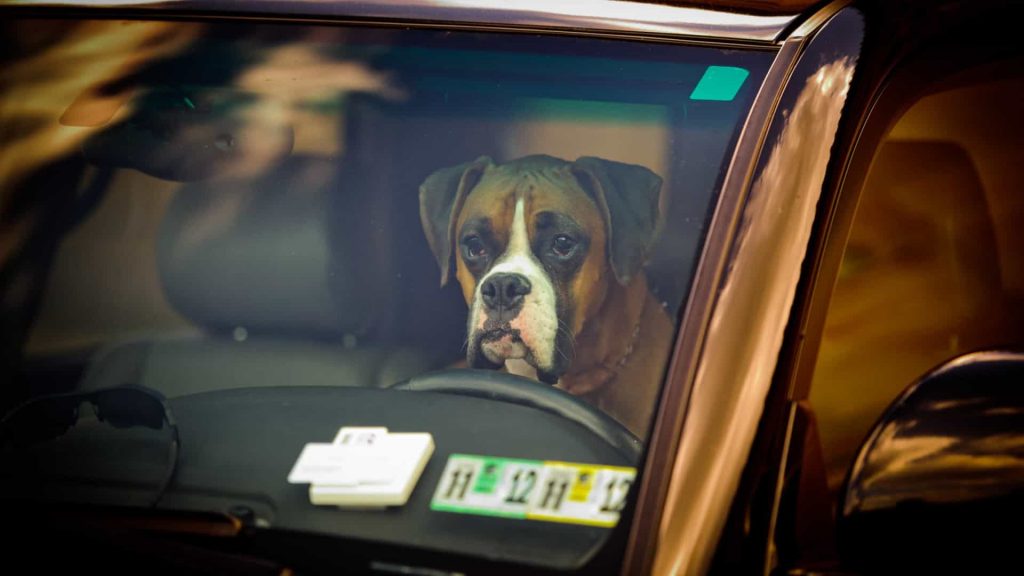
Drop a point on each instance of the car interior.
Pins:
(932, 250)
(311, 267)
(268, 296)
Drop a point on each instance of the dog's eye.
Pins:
(474, 247)
(562, 245)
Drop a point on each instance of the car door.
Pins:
(918, 263)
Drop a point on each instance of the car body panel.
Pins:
(737, 364)
(600, 16)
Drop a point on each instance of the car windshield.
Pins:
(223, 242)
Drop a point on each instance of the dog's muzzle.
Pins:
(496, 330)
(503, 296)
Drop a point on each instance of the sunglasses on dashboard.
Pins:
(46, 418)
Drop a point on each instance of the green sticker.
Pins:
(546, 490)
(490, 473)
(720, 83)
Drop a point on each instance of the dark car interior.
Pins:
(317, 270)
(268, 301)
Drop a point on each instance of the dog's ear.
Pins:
(628, 197)
(441, 197)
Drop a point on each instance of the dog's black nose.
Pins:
(504, 291)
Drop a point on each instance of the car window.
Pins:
(927, 273)
(283, 230)
(930, 268)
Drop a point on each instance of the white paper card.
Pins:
(365, 466)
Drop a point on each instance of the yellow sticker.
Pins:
(583, 484)
(550, 491)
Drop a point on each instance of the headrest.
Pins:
(259, 254)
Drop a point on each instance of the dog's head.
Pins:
(536, 243)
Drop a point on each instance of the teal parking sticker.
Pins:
(720, 83)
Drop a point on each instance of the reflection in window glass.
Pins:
(930, 269)
(200, 208)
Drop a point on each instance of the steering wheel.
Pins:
(505, 387)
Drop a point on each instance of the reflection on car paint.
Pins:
(733, 379)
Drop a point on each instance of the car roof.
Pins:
(740, 24)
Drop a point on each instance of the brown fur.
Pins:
(622, 333)
(615, 372)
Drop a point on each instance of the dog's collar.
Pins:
(598, 375)
(632, 342)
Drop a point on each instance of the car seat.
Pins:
(282, 274)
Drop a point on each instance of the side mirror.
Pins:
(938, 485)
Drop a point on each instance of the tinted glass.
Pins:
(284, 229)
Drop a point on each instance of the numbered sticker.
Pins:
(533, 490)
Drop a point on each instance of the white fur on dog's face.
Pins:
(537, 321)
(531, 262)
(534, 252)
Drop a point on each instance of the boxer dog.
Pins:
(549, 256)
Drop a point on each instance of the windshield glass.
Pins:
(223, 242)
